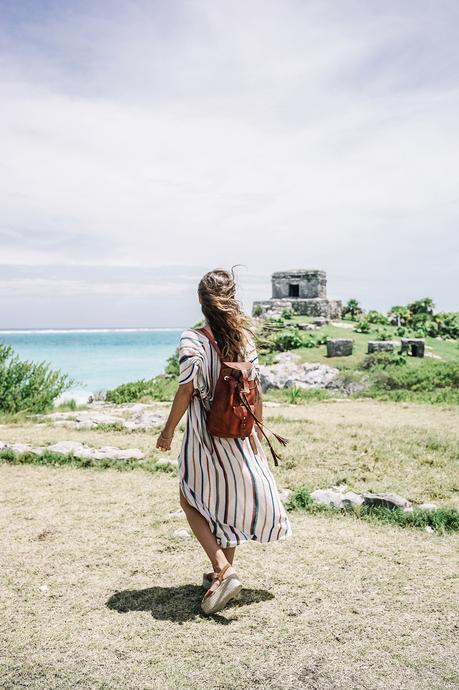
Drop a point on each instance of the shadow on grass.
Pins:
(178, 604)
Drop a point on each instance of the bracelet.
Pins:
(166, 438)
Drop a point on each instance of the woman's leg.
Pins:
(230, 553)
(203, 534)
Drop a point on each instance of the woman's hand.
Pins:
(164, 441)
(180, 403)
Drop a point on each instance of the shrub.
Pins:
(172, 365)
(286, 341)
(383, 360)
(287, 314)
(374, 316)
(428, 377)
(160, 388)
(28, 386)
(257, 310)
(362, 326)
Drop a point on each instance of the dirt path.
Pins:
(97, 593)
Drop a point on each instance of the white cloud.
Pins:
(274, 134)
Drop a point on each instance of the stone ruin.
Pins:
(305, 292)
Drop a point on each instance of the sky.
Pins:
(147, 142)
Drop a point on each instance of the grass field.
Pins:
(98, 593)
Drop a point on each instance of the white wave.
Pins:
(45, 331)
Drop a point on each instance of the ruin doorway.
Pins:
(293, 290)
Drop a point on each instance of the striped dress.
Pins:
(223, 478)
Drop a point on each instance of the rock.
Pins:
(306, 326)
(429, 529)
(80, 450)
(287, 373)
(163, 462)
(350, 498)
(284, 494)
(428, 506)
(19, 447)
(339, 347)
(131, 416)
(313, 375)
(343, 324)
(328, 497)
(145, 420)
(387, 500)
(381, 346)
(182, 533)
(413, 346)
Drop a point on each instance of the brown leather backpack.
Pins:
(232, 411)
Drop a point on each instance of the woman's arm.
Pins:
(179, 406)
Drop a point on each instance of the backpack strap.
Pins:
(261, 425)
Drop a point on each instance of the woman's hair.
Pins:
(229, 324)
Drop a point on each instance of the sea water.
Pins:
(97, 359)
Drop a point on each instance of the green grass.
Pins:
(443, 520)
(445, 349)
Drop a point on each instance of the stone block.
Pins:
(339, 347)
(413, 346)
(380, 346)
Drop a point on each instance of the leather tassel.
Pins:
(281, 439)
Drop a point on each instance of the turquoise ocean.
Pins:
(97, 359)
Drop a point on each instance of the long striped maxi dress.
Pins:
(223, 478)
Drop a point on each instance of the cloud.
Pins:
(197, 134)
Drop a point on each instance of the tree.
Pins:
(422, 306)
(399, 316)
(352, 309)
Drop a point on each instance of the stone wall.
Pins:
(329, 308)
(311, 284)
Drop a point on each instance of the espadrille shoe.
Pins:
(228, 589)
(207, 580)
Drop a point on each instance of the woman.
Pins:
(227, 490)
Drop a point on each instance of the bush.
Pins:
(428, 377)
(172, 365)
(287, 314)
(286, 341)
(257, 310)
(362, 326)
(376, 317)
(383, 360)
(160, 388)
(28, 386)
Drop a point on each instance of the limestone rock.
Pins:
(163, 462)
(328, 497)
(381, 346)
(339, 347)
(144, 420)
(284, 494)
(387, 500)
(350, 499)
(428, 506)
(287, 373)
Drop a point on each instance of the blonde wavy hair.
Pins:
(229, 324)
